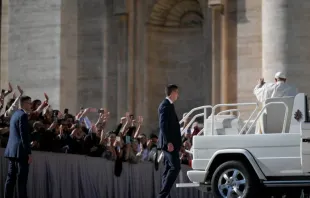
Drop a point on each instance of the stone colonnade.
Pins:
(286, 40)
(224, 55)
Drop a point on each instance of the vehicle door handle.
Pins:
(306, 140)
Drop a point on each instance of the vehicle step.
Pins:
(295, 183)
(187, 185)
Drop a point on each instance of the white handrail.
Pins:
(236, 104)
(230, 110)
(195, 109)
(260, 113)
(192, 120)
(227, 105)
(250, 118)
(201, 131)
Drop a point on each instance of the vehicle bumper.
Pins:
(197, 176)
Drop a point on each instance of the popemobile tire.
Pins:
(233, 180)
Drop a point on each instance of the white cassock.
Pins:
(272, 90)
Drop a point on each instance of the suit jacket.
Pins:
(169, 126)
(19, 139)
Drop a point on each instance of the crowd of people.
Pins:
(59, 131)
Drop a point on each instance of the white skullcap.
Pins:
(280, 75)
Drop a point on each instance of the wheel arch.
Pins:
(225, 155)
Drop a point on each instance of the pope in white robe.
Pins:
(278, 89)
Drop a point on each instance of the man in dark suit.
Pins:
(18, 150)
(170, 140)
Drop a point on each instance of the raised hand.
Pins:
(20, 90)
(133, 122)
(123, 120)
(46, 97)
(261, 81)
(10, 88)
(5, 93)
(104, 117)
(149, 142)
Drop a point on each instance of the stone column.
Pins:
(216, 54)
(91, 19)
(131, 6)
(274, 28)
(110, 68)
(142, 17)
(121, 50)
(69, 56)
(286, 40)
(229, 53)
(208, 48)
(4, 43)
(34, 47)
(122, 64)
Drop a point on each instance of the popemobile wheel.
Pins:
(233, 180)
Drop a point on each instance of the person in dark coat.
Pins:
(170, 140)
(18, 150)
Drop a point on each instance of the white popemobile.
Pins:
(235, 161)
